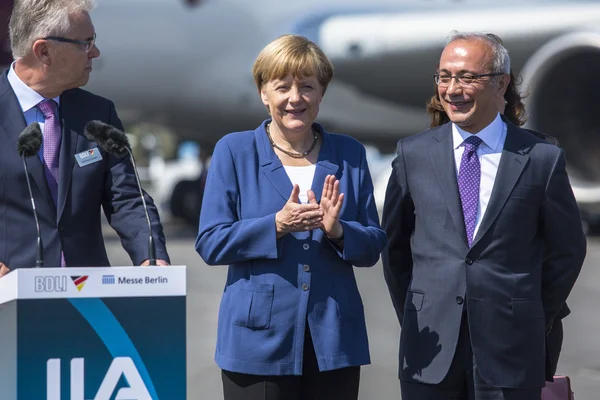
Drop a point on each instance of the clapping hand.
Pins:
(331, 205)
(296, 217)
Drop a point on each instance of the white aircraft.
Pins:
(186, 64)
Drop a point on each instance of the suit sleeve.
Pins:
(223, 237)
(363, 239)
(398, 220)
(565, 242)
(124, 209)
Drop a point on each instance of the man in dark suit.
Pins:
(484, 239)
(72, 180)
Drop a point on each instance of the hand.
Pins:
(3, 269)
(331, 205)
(296, 217)
(159, 263)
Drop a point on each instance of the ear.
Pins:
(264, 97)
(503, 82)
(41, 51)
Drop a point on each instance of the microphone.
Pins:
(115, 142)
(28, 145)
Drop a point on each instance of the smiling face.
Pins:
(293, 102)
(474, 106)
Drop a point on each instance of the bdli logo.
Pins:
(79, 281)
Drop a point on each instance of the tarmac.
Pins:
(580, 358)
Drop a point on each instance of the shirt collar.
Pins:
(27, 97)
(490, 135)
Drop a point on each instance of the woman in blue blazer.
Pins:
(289, 207)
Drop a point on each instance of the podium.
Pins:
(116, 333)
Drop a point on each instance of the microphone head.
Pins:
(30, 140)
(108, 138)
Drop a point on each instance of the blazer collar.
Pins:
(514, 159)
(68, 146)
(12, 123)
(273, 169)
(444, 166)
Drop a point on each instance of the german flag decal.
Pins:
(79, 281)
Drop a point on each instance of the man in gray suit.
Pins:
(484, 239)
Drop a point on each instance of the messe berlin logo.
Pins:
(79, 281)
(108, 279)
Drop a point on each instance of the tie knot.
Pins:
(48, 108)
(472, 143)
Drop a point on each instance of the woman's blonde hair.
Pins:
(291, 54)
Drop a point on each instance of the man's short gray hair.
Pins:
(34, 19)
(501, 59)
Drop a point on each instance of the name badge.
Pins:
(88, 157)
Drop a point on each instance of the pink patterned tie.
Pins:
(469, 178)
(52, 136)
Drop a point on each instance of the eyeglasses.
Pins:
(465, 79)
(88, 43)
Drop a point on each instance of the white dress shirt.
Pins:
(489, 152)
(302, 176)
(28, 100)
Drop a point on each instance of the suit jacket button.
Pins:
(459, 299)
(304, 286)
(468, 261)
(306, 246)
(306, 267)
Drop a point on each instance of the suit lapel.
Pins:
(512, 162)
(12, 122)
(325, 164)
(270, 165)
(68, 148)
(442, 158)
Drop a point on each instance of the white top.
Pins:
(302, 176)
(489, 153)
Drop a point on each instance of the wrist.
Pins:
(279, 231)
(337, 233)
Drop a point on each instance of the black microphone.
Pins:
(28, 145)
(115, 142)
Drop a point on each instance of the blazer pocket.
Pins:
(414, 300)
(526, 195)
(349, 305)
(252, 305)
(527, 308)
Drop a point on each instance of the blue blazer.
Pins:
(275, 285)
(74, 225)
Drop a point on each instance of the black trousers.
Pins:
(463, 381)
(339, 384)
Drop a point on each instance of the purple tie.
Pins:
(469, 177)
(52, 136)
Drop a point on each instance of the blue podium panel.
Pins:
(93, 334)
(81, 349)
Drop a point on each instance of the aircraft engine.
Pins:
(563, 82)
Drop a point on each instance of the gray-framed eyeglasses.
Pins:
(465, 79)
(87, 43)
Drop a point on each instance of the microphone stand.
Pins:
(40, 247)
